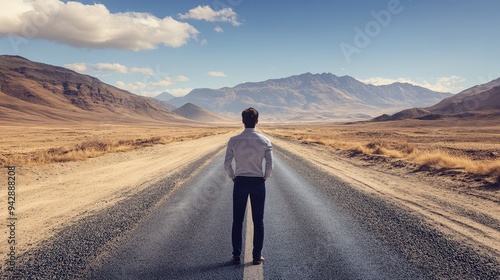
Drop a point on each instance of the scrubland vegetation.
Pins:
(471, 149)
(33, 146)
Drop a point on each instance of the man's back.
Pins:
(249, 149)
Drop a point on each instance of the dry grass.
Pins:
(81, 151)
(472, 149)
(36, 146)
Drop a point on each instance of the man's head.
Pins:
(250, 117)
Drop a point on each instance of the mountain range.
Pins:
(481, 101)
(37, 92)
(31, 91)
(312, 97)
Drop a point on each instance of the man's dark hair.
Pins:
(250, 117)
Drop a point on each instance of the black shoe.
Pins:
(258, 261)
(236, 260)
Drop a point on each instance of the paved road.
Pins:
(307, 236)
(316, 227)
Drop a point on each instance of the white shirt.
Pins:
(249, 149)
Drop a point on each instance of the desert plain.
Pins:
(445, 172)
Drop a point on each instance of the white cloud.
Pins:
(112, 67)
(168, 81)
(206, 13)
(204, 42)
(216, 74)
(163, 83)
(450, 84)
(145, 71)
(91, 26)
(442, 84)
(84, 67)
(181, 79)
(152, 82)
(132, 87)
(179, 91)
(218, 29)
(378, 81)
(78, 67)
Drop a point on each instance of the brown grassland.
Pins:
(36, 145)
(470, 147)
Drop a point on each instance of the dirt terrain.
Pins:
(467, 150)
(30, 144)
(53, 196)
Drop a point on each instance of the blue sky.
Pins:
(148, 47)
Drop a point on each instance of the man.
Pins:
(249, 149)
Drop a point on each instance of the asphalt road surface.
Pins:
(316, 227)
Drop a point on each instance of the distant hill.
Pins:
(193, 112)
(405, 114)
(35, 92)
(477, 98)
(164, 96)
(165, 104)
(479, 101)
(312, 96)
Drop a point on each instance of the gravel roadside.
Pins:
(71, 252)
(423, 246)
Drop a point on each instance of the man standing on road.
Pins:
(249, 149)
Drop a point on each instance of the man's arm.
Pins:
(228, 160)
(269, 160)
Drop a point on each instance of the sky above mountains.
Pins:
(148, 47)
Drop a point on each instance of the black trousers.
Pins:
(244, 187)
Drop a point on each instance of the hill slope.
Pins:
(31, 91)
(164, 104)
(480, 101)
(312, 96)
(193, 112)
(477, 98)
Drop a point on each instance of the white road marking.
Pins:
(250, 272)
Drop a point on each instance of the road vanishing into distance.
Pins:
(316, 227)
